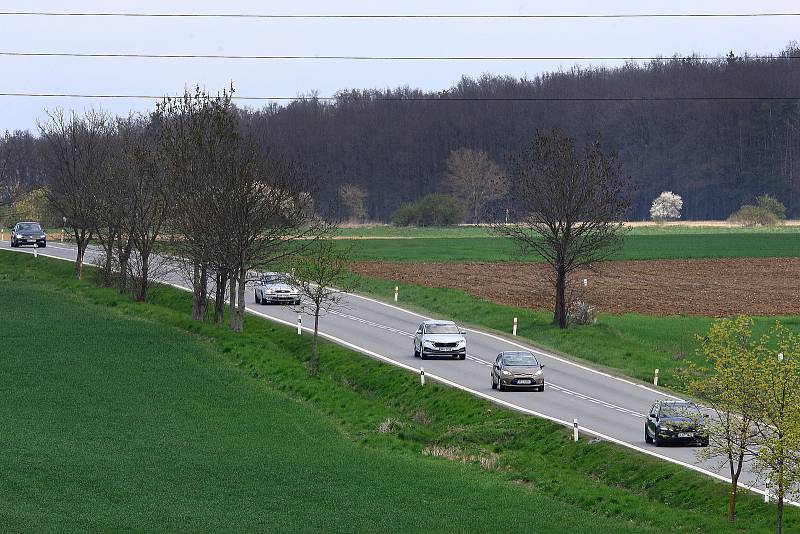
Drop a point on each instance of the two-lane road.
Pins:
(606, 406)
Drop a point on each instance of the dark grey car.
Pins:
(675, 422)
(28, 233)
(517, 370)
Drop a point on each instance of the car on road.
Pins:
(276, 288)
(517, 370)
(28, 233)
(673, 421)
(440, 338)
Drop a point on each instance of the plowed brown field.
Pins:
(657, 287)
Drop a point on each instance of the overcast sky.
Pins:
(521, 37)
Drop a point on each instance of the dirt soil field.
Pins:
(657, 287)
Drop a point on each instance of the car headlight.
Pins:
(19, 236)
(428, 343)
(538, 373)
(269, 291)
(42, 236)
(506, 373)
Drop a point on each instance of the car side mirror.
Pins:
(653, 416)
(705, 416)
(463, 332)
(541, 366)
(419, 332)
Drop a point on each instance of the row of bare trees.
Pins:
(185, 188)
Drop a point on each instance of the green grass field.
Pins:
(129, 416)
(641, 243)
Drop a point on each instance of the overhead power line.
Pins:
(380, 58)
(399, 15)
(443, 98)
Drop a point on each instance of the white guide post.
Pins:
(396, 290)
(421, 376)
(514, 329)
(575, 430)
(655, 378)
(299, 324)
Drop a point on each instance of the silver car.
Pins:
(274, 288)
(517, 370)
(440, 338)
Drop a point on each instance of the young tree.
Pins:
(775, 398)
(321, 274)
(352, 197)
(474, 178)
(666, 207)
(731, 352)
(76, 151)
(573, 207)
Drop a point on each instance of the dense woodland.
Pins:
(717, 154)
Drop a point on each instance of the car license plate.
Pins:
(523, 381)
(685, 434)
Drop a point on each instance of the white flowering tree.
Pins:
(666, 207)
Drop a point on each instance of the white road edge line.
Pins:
(483, 395)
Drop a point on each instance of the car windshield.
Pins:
(271, 280)
(520, 358)
(30, 227)
(441, 329)
(689, 411)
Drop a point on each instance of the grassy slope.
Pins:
(174, 435)
(105, 427)
(631, 344)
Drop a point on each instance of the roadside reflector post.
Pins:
(35, 251)
(655, 378)
(514, 329)
(766, 490)
(575, 430)
(62, 235)
(2, 234)
(299, 324)
(421, 376)
(396, 290)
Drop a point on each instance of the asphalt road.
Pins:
(607, 407)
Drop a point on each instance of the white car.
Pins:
(440, 338)
(274, 288)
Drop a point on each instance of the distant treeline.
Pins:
(717, 154)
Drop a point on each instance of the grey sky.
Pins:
(592, 37)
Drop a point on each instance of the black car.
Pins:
(28, 233)
(675, 422)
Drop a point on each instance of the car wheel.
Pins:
(297, 302)
(704, 443)
(462, 356)
(657, 442)
(416, 352)
(494, 384)
(44, 245)
(541, 388)
(500, 385)
(258, 299)
(13, 244)
(422, 355)
(647, 436)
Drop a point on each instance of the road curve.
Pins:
(608, 407)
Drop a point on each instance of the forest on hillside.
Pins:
(717, 153)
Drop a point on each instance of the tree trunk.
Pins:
(560, 313)
(241, 301)
(200, 300)
(81, 241)
(313, 364)
(732, 499)
(107, 273)
(124, 254)
(232, 294)
(144, 280)
(779, 513)
(219, 296)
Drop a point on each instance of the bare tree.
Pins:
(474, 178)
(321, 274)
(75, 148)
(187, 146)
(573, 207)
(352, 197)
